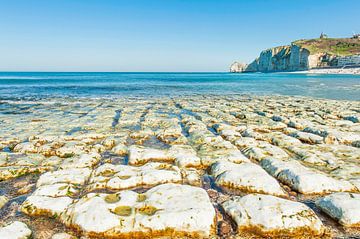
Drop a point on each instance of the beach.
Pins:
(180, 166)
(350, 71)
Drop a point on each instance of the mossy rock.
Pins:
(123, 177)
(63, 187)
(141, 197)
(123, 211)
(107, 173)
(112, 198)
(148, 210)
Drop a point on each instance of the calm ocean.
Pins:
(25, 85)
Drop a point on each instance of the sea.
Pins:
(40, 85)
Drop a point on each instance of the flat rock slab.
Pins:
(271, 216)
(7, 173)
(263, 150)
(82, 161)
(75, 176)
(246, 177)
(15, 230)
(45, 206)
(115, 177)
(344, 207)
(182, 155)
(303, 179)
(165, 210)
(56, 190)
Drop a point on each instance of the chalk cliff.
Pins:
(282, 58)
(301, 55)
(238, 67)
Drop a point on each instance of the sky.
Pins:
(159, 35)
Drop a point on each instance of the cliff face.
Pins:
(283, 58)
(302, 55)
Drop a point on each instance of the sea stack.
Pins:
(238, 67)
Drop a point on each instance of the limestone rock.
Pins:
(116, 177)
(272, 216)
(120, 149)
(344, 207)
(246, 177)
(74, 176)
(11, 172)
(82, 161)
(45, 206)
(15, 230)
(302, 179)
(284, 58)
(140, 155)
(165, 210)
(263, 150)
(182, 155)
(237, 67)
(56, 190)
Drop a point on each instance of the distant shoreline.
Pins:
(327, 70)
(346, 71)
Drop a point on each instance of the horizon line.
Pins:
(115, 72)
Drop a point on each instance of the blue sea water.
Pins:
(25, 85)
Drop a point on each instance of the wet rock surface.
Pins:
(344, 207)
(269, 215)
(191, 167)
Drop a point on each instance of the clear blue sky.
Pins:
(159, 35)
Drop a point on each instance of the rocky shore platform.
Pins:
(188, 167)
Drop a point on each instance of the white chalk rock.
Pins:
(45, 206)
(344, 207)
(308, 137)
(141, 155)
(123, 176)
(83, 161)
(184, 156)
(263, 150)
(272, 216)
(246, 177)
(15, 230)
(165, 210)
(56, 190)
(26, 147)
(74, 176)
(303, 179)
(120, 149)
